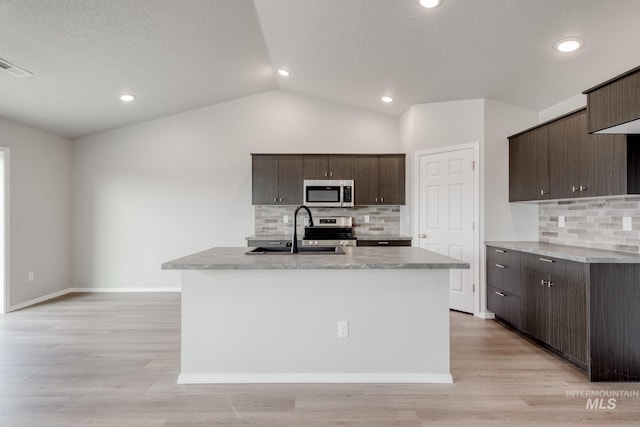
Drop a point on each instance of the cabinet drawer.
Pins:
(499, 255)
(384, 242)
(562, 268)
(505, 305)
(503, 270)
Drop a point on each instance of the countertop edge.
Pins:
(564, 252)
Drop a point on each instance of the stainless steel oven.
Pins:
(328, 193)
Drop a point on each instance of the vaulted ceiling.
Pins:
(176, 55)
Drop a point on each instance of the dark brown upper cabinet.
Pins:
(317, 166)
(276, 179)
(614, 106)
(559, 160)
(379, 179)
(529, 165)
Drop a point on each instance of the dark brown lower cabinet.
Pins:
(585, 312)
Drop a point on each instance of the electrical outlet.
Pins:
(626, 223)
(286, 219)
(366, 219)
(30, 276)
(561, 221)
(343, 329)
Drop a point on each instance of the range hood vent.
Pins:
(13, 69)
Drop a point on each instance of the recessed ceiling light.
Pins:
(387, 99)
(283, 72)
(127, 97)
(568, 45)
(429, 3)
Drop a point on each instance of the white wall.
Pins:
(488, 122)
(434, 125)
(39, 226)
(504, 220)
(570, 104)
(159, 190)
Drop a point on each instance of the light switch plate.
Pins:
(626, 223)
(561, 221)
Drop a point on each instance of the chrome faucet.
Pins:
(294, 240)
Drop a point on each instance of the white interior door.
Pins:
(446, 213)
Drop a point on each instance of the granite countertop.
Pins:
(359, 237)
(570, 253)
(354, 258)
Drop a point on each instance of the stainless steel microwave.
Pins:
(328, 193)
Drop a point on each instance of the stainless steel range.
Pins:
(330, 231)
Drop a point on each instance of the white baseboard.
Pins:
(57, 294)
(39, 300)
(88, 290)
(314, 378)
(486, 315)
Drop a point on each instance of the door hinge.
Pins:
(474, 287)
(473, 165)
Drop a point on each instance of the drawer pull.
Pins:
(501, 294)
(500, 250)
(383, 243)
(500, 266)
(546, 260)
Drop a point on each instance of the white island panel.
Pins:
(281, 326)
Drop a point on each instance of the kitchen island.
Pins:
(277, 318)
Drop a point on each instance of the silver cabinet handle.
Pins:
(280, 201)
(542, 192)
(376, 199)
(330, 173)
(500, 266)
(500, 250)
(546, 260)
(583, 188)
(326, 174)
(550, 283)
(383, 243)
(382, 199)
(275, 199)
(501, 294)
(574, 188)
(543, 282)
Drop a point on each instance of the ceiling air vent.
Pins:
(14, 70)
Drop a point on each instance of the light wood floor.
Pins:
(113, 359)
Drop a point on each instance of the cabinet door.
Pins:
(341, 167)
(365, 175)
(615, 103)
(566, 139)
(607, 155)
(536, 304)
(557, 312)
(529, 165)
(290, 179)
(576, 321)
(264, 178)
(316, 166)
(391, 177)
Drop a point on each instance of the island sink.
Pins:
(281, 250)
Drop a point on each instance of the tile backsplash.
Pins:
(383, 220)
(594, 223)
